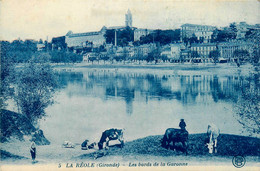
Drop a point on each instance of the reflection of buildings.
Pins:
(187, 89)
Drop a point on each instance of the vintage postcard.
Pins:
(130, 84)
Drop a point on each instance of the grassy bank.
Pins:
(143, 149)
(228, 145)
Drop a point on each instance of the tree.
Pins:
(7, 77)
(150, 57)
(241, 55)
(214, 55)
(247, 107)
(34, 88)
(161, 36)
(124, 36)
(154, 55)
(104, 58)
(254, 38)
(223, 35)
(92, 59)
(256, 56)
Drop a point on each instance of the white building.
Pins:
(199, 31)
(80, 39)
(40, 46)
(173, 51)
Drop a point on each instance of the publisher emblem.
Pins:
(239, 161)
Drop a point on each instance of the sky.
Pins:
(35, 19)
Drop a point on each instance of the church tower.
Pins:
(128, 19)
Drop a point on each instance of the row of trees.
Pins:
(160, 36)
(22, 51)
(124, 36)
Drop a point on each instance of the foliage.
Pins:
(223, 35)
(242, 55)
(92, 58)
(7, 78)
(154, 55)
(247, 107)
(164, 58)
(124, 36)
(192, 39)
(194, 54)
(256, 56)
(214, 55)
(62, 56)
(18, 51)
(254, 37)
(104, 57)
(161, 36)
(34, 88)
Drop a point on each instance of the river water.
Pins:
(142, 101)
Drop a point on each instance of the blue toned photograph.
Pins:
(143, 84)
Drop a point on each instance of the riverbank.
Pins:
(146, 149)
(164, 68)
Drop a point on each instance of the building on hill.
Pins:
(144, 50)
(201, 32)
(202, 51)
(227, 49)
(80, 40)
(173, 51)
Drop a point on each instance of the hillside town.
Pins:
(191, 43)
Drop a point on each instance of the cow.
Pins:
(175, 135)
(111, 134)
(212, 135)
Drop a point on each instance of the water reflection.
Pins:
(135, 86)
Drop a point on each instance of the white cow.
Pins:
(213, 133)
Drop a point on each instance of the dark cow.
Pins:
(111, 134)
(175, 135)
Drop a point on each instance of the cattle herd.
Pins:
(171, 136)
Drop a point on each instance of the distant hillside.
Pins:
(17, 126)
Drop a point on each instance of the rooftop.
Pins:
(195, 25)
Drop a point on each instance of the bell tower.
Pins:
(128, 18)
